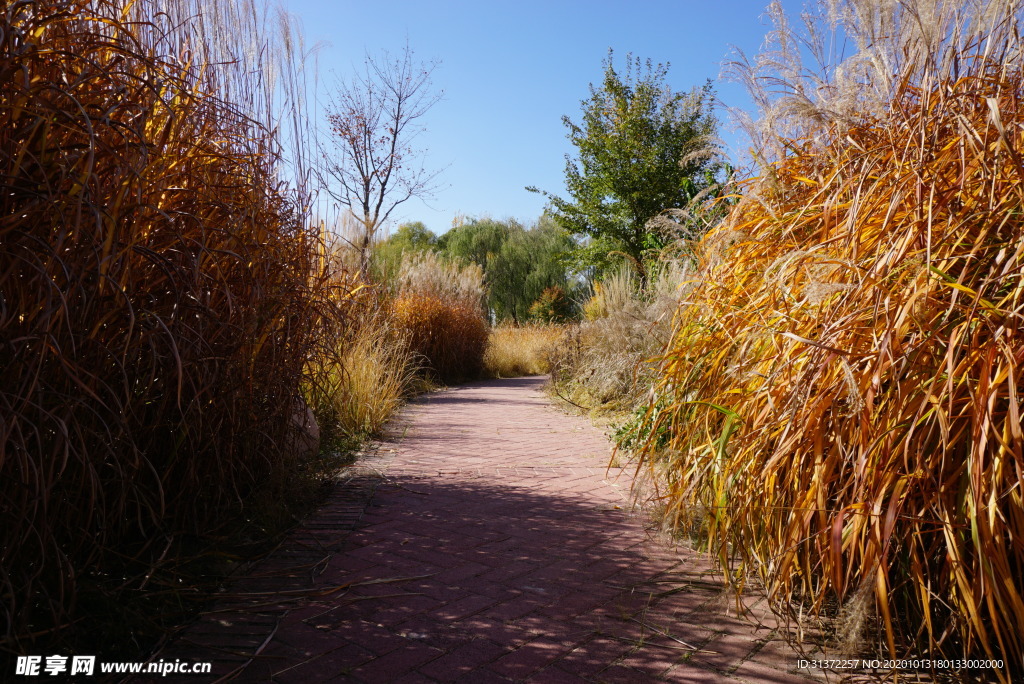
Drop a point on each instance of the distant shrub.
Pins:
(606, 362)
(513, 351)
(438, 305)
(551, 307)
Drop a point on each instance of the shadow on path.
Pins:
(489, 544)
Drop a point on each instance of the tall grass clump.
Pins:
(372, 373)
(160, 295)
(605, 362)
(517, 350)
(840, 405)
(438, 305)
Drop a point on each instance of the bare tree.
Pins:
(370, 162)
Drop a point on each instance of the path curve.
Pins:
(487, 542)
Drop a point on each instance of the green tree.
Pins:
(641, 149)
(387, 255)
(518, 263)
(477, 240)
(551, 307)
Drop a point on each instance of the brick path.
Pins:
(488, 543)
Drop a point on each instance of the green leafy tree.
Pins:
(387, 254)
(477, 241)
(518, 263)
(551, 307)
(641, 149)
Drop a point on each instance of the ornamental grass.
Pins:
(840, 406)
(517, 350)
(160, 296)
(606, 363)
(438, 307)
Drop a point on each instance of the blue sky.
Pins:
(511, 70)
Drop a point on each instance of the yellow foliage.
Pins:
(840, 404)
(449, 336)
(513, 351)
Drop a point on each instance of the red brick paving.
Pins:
(488, 543)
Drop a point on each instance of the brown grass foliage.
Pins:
(844, 385)
(449, 337)
(514, 351)
(371, 375)
(438, 306)
(605, 363)
(159, 298)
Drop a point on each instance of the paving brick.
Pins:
(529, 658)
(412, 678)
(333, 664)
(482, 675)
(574, 604)
(464, 607)
(651, 660)
(373, 637)
(754, 672)
(726, 652)
(593, 656)
(463, 659)
(692, 674)
(556, 675)
(616, 674)
(487, 541)
(569, 633)
(498, 632)
(399, 662)
(517, 607)
(461, 574)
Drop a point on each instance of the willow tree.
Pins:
(519, 263)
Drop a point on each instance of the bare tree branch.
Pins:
(370, 164)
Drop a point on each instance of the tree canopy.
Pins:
(641, 149)
(409, 237)
(519, 264)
